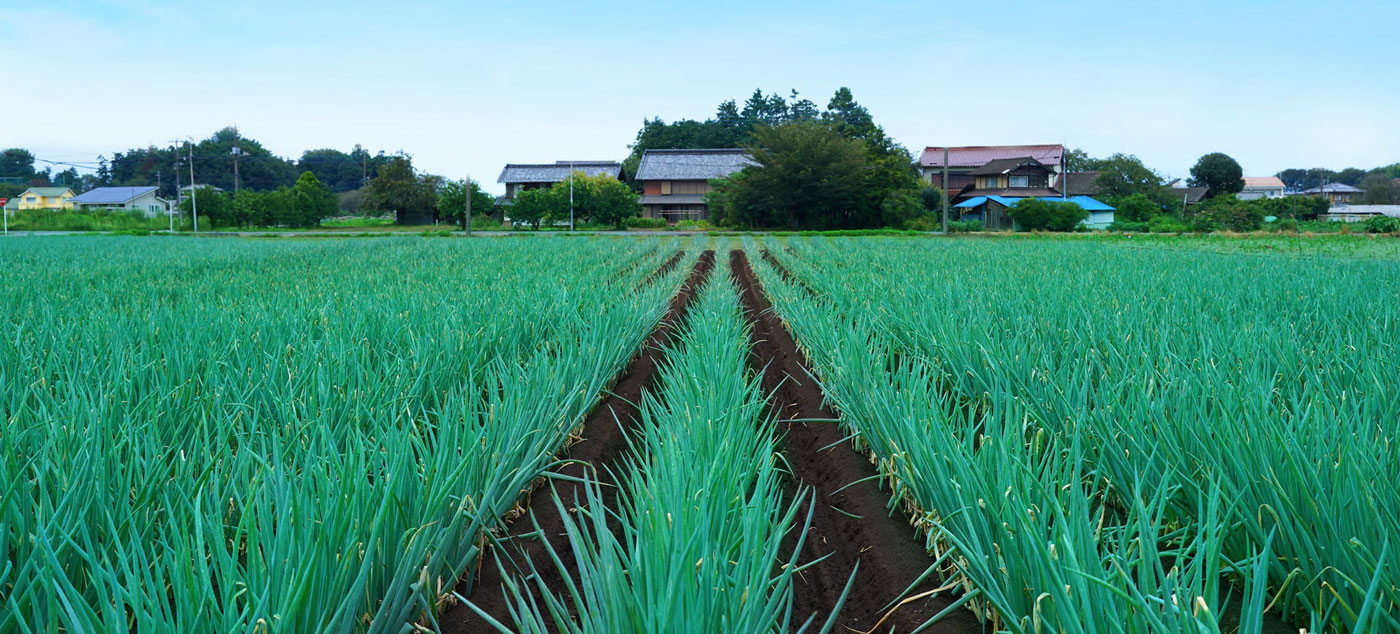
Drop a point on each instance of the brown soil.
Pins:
(603, 445)
(890, 553)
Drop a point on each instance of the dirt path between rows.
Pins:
(890, 553)
(602, 447)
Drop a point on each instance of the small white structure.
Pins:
(1256, 187)
(1360, 213)
(142, 199)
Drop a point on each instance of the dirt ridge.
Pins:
(603, 446)
(890, 554)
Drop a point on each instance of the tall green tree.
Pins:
(312, 201)
(1380, 189)
(1218, 173)
(1123, 175)
(17, 163)
(400, 190)
(452, 201)
(807, 175)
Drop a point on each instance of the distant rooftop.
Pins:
(1333, 188)
(112, 195)
(556, 171)
(979, 155)
(1002, 166)
(48, 192)
(1262, 182)
(691, 164)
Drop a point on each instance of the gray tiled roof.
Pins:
(558, 171)
(111, 195)
(691, 165)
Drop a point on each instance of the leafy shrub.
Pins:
(638, 222)
(1137, 208)
(1128, 226)
(1381, 224)
(964, 226)
(1287, 224)
(925, 222)
(694, 225)
(1166, 224)
(1048, 215)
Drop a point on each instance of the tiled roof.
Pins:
(112, 195)
(1333, 188)
(1012, 192)
(979, 155)
(1080, 183)
(556, 172)
(47, 192)
(683, 165)
(1193, 194)
(1262, 182)
(1002, 166)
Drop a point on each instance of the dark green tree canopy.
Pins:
(1218, 173)
(807, 176)
(401, 191)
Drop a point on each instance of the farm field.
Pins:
(697, 434)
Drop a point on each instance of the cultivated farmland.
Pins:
(656, 434)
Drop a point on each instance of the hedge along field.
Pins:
(300, 436)
(1103, 439)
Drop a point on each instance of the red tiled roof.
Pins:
(979, 155)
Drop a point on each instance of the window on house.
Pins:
(31, 199)
(1020, 181)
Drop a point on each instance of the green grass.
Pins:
(1095, 437)
(299, 436)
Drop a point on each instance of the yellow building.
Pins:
(52, 198)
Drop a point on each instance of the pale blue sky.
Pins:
(468, 87)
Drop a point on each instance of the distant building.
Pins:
(50, 198)
(1336, 193)
(1079, 183)
(142, 199)
(1360, 213)
(963, 160)
(185, 191)
(519, 177)
(1256, 187)
(674, 182)
(1188, 195)
(990, 210)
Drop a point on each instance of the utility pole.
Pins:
(571, 195)
(467, 219)
(194, 193)
(236, 152)
(175, 152)
(944, 188)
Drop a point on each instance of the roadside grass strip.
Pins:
(1099, 439)
(695, 540)
(235, 436)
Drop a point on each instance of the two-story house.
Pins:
(50, 198)
(519, 177)
(674, 182)
(1336, 193)
(1256, 187)
(963, 160)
